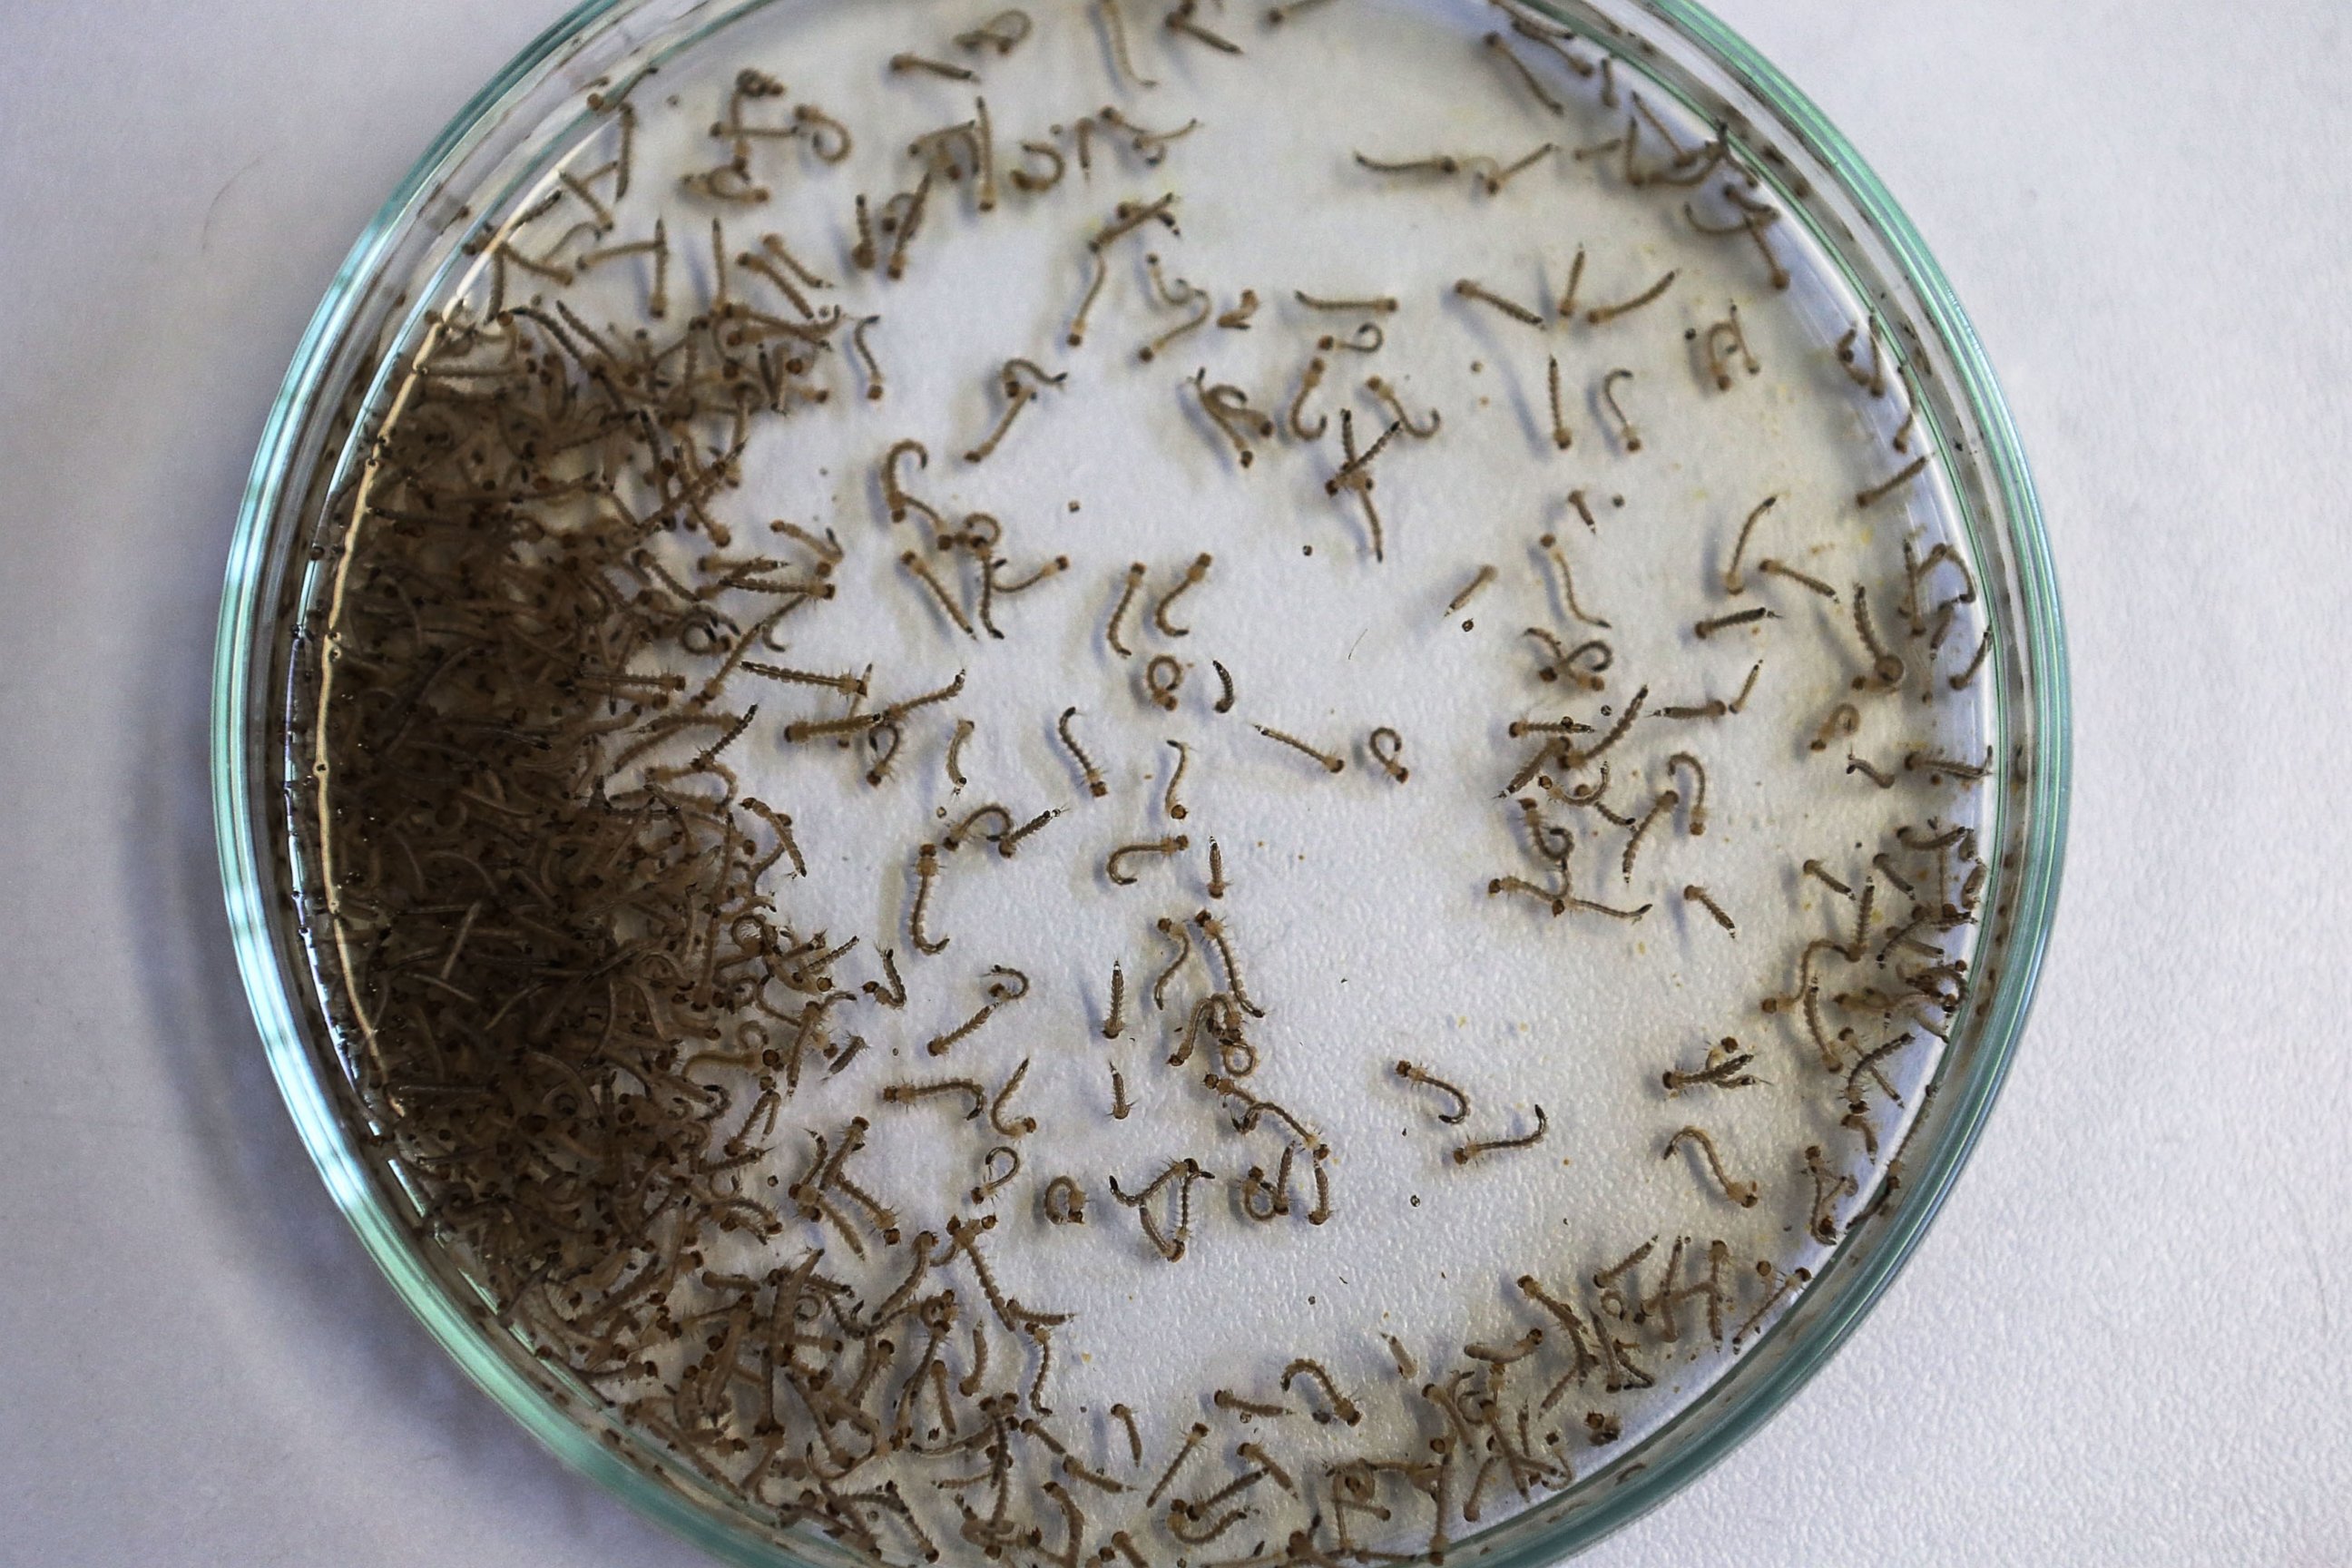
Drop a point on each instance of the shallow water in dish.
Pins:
(1359, 908)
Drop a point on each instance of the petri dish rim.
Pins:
(245, 723)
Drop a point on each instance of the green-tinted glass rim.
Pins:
(241, 786)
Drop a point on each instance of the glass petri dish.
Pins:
(1853, 251)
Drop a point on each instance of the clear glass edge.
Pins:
(247, 888)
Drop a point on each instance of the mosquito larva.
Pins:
(1469, 289)
(940, 1044)
(1695, 894)
(1726, 1067)
(1018, 394)
(1984, 646)
(1611, 911)
(1331, 765)
(1460, 1113)
(1697, 820)
(1024, 180)
(1662, 805)
(1733, 583)
(1022, 1128)
(1843, 723)
(913, 220)
(1600, 314)
(1118, 612)
(1186, 294)
(1214, 931)
(1495, 179)
(1183, 937)
(1707, 628)
(1632, 711)
(1497, 885)
(1828, 1187)
(1094, 779)
(1168, 801)
(1354, 469)
(1782, 569)
(1584, 512)
(711, 754)
(1322, 1210)
(1820, 873)
(1496, 43)
(1405, 1365)
(1117, 1021)
(873, 370)
(1903, 476)
(968, 825)
(1854, 765)
(907, 1093)
(1162, 677)
(1237, 320)
(1179, 20)
(881, 768)
(1367, 339)
(1562, 437)
(1550, 544)
(1627, 435)
(1224, 702)
(897, 711)
(1869, 1065)
(1470, 590)
(1718, 363)
(1886, 667)
(1874, 381)
(910, 62)
(1217, 884)
(1200, 1429)
(1901, 440)
(1380, 389)
(1934, 765)
(1309, 380)
(1193, 575)
(847, 685)
(1118, 1103)
(1885, 867)
(1078, 333)
(970, 1384)
(1111, 865)
(1467, 1152)
(1377, 305)
(1385, 745)
(1115, 24)
(1226, 1399)
(1440, 164)
(1744, 1193)
(1006, 846)
(926, 871)
(955, 752)
(991, 1184)
(1355, 477)
(1567, 663)
(1126, 1418)
(895, 500)
(1228, 408)
(1002, 32)
(954, 612)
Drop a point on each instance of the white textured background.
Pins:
(2118, 1345)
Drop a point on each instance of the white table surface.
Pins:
(2119, 1344)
